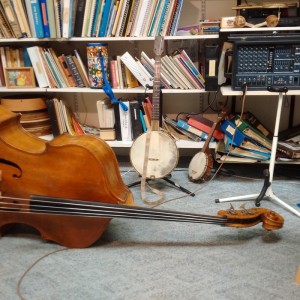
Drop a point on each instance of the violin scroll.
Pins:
(251, 217)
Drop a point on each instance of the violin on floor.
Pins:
(70, 188)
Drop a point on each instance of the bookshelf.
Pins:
(174, 100)
(136, 44)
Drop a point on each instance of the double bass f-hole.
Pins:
(12, 164)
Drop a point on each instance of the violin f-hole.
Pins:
(12, 164)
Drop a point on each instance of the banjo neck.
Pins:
(156, 110)
(210, 134)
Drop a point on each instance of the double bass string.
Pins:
(49, 205)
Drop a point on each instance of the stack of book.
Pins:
(245, 138)
(68, 70)
(63, 119)
(51, 70)
(177, 70)
(209, 26)
(88, 18)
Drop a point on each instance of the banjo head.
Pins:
(155, 154)
(199, 167)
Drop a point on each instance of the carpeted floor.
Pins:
(143, 260)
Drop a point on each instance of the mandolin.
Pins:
(154, 153)
(202, 162)
(69, 189)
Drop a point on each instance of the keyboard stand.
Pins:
(266, 192)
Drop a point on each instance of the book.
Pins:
(12, 18)
(125, 121)
(144, 8)
(107, 134)
(68, 75)
(53, 117)
(106, 113)
(107, 9)
(184, 134)
(136, 70)
(5, 27)
(232, 132)
(184, 125)
(86, 18)
(204, 125)
(22, 17)
(230, 149)
(117, 122)
(96, 18)
(53, 68)
(81, 70)
(251, 132)
(51, 18)
(45, 19)
(132, 16)
(38, 66)
(58, 17)
(290, 149)
(73, 69)
(37, 17)
(79, 16)
(257, 124)
(136, 122)
(67, 18)
(125, 19)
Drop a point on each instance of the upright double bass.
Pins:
(70, 188)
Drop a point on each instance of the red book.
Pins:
(205, 125)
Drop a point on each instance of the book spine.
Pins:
(51, 18)
(45, 19)
(105, 18)
(37, 17)
(12, 18)
(73, 69)
(79, 17)
(205, 128)
(184, 125)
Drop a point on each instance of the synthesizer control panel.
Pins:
(263, 63)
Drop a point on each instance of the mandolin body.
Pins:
(155, 154)
(74, 167)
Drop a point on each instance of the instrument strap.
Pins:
(106, 86)
(144, 181)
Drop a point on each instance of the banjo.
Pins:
(202, 162)
(154, 154)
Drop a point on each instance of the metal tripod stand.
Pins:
(267, 192)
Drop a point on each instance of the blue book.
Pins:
(162, 17)
(105, 17)
(143, 121)
(26, 58)
(235, 135)
(45, 19)
(37, 17)
(95, 17)
(232, 149)
(154, 19)
(184, 125)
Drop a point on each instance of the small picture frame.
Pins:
(22, 77)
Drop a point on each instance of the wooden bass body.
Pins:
(74, 167)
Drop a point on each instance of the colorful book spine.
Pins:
(45, 18)
(37, 17)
